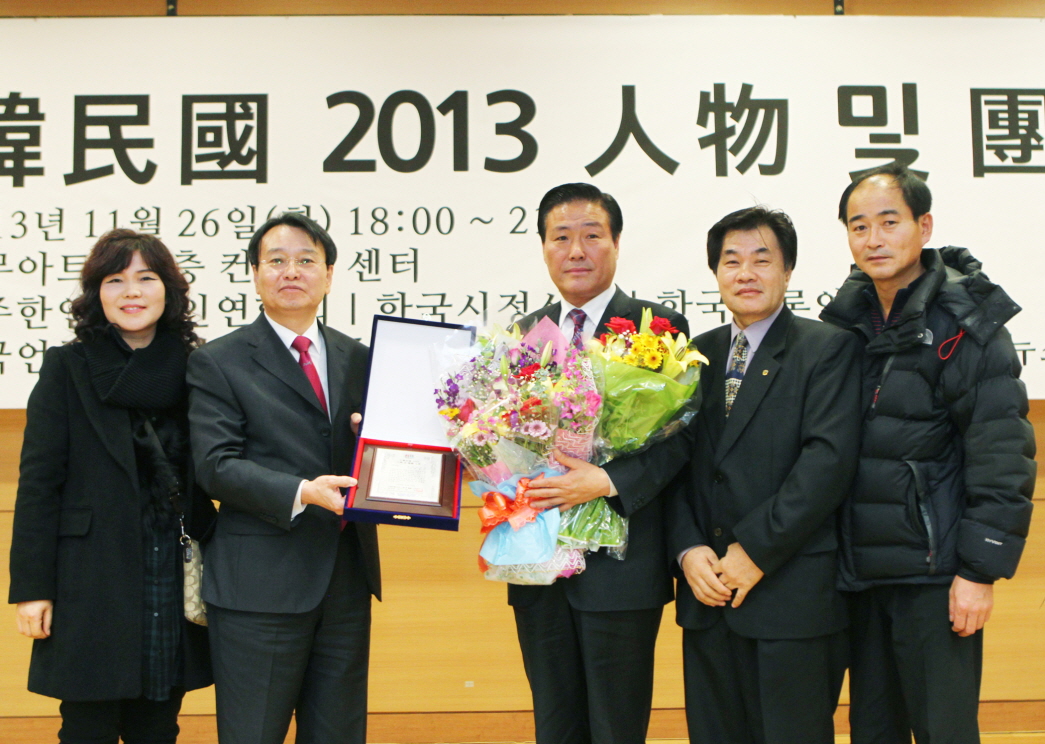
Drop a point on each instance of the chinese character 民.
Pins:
(114, 121)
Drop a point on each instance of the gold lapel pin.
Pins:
(765, 372)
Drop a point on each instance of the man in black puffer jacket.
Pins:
(941, 503)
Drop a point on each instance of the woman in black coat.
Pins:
(104, 487)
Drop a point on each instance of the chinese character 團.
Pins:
(1006, 131)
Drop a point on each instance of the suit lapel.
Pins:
(758, 377)
(337, 363)
(113, 425)
(713, 400)
(621, 306)
(270, 353)
(552, 312)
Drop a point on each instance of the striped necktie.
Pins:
(578, 317)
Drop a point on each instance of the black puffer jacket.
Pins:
(946, 467)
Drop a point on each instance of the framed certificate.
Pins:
(406, 473)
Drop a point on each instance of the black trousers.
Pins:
(591, 673)
(137, 721)
(910, 672)
(756, 691)
(313, 665)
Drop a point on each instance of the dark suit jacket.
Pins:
(772, 475)
(77, 539)
(257, 432)
(642, 579)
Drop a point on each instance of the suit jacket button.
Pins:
(326, 433)
(718, 532)
(719, 477)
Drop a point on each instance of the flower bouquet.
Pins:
(516, 399)
(506, 408)
(648, 378)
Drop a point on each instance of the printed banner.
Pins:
(424, 145)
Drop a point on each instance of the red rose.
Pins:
(621, 325)
(604, 339)
(662, 325)
(465, 412)
(530, 404)
(528, 370)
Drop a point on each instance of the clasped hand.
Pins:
(713, 580)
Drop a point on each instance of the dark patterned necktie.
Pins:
(735, 375)
(578, 317)
(301, 344)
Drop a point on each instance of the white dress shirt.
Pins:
(318, 352)
(593, 309)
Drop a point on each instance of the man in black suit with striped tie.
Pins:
(753, 517)
(587, 641)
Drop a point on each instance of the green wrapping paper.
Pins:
(639, 405)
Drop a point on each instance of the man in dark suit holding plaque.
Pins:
(587, 641)
(287, 584)
(753, 518)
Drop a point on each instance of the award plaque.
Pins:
(406, 473)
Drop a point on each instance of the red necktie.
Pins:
(578, 317)
(301, 344)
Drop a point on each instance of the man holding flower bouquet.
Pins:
(588, 640)
(753, 522)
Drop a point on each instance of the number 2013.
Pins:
(456, 104)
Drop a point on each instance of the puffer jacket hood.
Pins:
(954, 279)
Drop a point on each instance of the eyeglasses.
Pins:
(282, 264)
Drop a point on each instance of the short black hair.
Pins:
(315, 233)
(915, 191)
(568, 193)
(753, 218)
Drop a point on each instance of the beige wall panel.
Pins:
(441, 625)
(1014, 641)
(501, 7)
(15, 649)
(23, 8)
(12, 422)
(1004, 8)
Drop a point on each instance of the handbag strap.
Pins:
(173, 489)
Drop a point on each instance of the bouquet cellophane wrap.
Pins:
(594, 524)
(641, 407)
(507, 407)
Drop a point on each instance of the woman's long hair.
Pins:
(112, 254)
